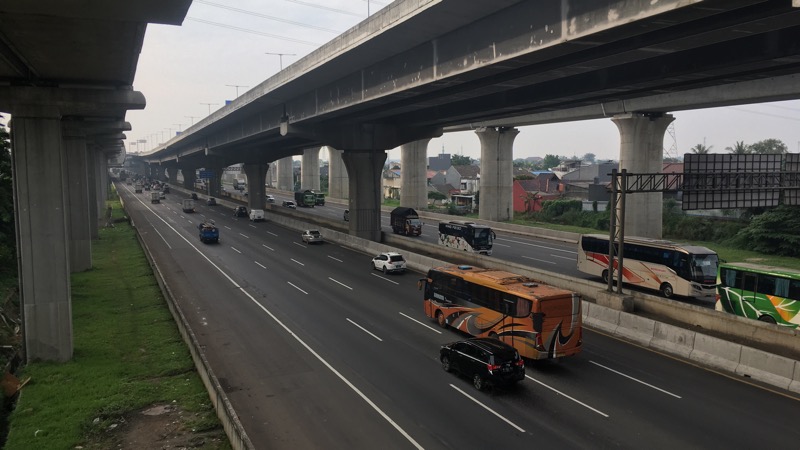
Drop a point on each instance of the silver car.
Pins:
(312, 236)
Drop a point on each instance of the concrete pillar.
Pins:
(189, 172)
(271, 176)
(42, 235)
(496, 201)
(99, 183)
(78, 202)
(338, 182)
(159, 173)
(365, 168)
(285, 174)
(256, 193)
(91, 168)
(414, 174)
(215, 182)
(309, 169)
(642, 151)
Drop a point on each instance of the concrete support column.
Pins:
(256, 193)
(642, 151)
(497, 173)
(42, 235)
(285, 174)
(189, 173)
(100, 183)
(338, 182)
(309, 169)
(78, 202)
(365, 168)
(271, 176)
(92, 184)
(215, 182)
(414, 174)
(159, 173)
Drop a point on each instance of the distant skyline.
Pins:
(188, 71)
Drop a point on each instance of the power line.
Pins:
(231, 27)
(763, 113)
(326, 8)
(264, 16)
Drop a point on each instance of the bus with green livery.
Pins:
(766, 293)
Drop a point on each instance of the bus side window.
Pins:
(749, 282)
(794, 290)
(766, 285)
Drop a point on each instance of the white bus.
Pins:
(664, 266)
(467, 236)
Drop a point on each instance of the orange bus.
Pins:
(540, 321)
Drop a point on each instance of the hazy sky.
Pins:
(224, 43)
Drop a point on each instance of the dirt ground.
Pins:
(160, 427)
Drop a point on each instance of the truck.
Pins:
(319, 199)
(405, 221)
(187, 205)
(208, 231)
(138, 187)
(155, 197)
(239, 184)
(305, 198)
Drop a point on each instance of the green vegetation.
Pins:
(128, 355)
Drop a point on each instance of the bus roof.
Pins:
(519, 285)
(760, 268)
(693, 249)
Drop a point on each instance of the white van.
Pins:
(256, 215)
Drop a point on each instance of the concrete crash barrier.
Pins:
(673, 340)
(768, 368)
(600, 317)
(635, 328)
(716, 353)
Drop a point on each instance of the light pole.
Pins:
(192, 119)
(179, 125)
(209, 106)
(237, 86)
(280, 56)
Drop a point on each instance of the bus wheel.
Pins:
(768, 319)
(666, 290)
(605, 276)
(478, 382)
(440, 319)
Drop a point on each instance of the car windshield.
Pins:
(314, 233)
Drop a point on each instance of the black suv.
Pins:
(240, 211)
(486, 361)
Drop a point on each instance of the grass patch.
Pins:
(128, 355)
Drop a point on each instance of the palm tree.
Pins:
(739, 149)
(701, 149)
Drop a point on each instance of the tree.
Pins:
(7, 233)
(590, 158)
(550, 161)
(701, 149)
(769, 146)
(739, 148)
(460, 160)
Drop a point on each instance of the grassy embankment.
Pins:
(128, 355)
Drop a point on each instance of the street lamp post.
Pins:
(192, 119)
(237, 86)
(209, 106)
(280, 56)
(179, 125)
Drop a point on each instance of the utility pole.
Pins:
(179, 125)
(280, 55)
(209, 106)
(237, 86)
(192, 119)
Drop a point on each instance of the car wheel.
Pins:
(605, 276)
(478, 382)
(666, 290)
(446, 364)
(440, 319)
(384, 270)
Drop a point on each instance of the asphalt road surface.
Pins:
(316, 350)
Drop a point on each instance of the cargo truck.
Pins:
(305, 198)
(188, 205)
(405, 221)
(319, 199)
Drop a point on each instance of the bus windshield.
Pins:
(483, 236)
(704, 268)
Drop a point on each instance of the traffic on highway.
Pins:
(316, 349)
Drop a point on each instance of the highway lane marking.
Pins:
(571, 258)
(338, 282)
(536, 245)
(237, 251)
(251, 225)
(497, 414)
(536, 259)
(292, 285)
(384, 278)
(159, 233)
(424, 325)
(297, 243)
(268, 248)
(260, 265)
(567, 396)
(270, 232)
(364, 329)
(298, 262)
(331, 257)
(227, 227)
(501, 245)
(244, 235)
(634, 379)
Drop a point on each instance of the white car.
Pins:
(289, 204)
(270, 199)
(389, 262)
(312, 236)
